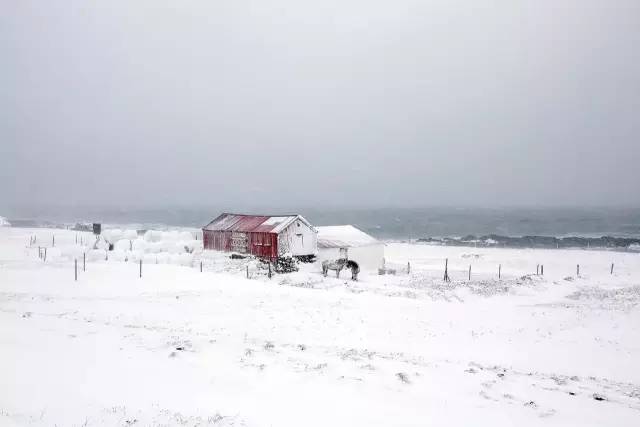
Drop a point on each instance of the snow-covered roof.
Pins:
(344, 236)
(254, 223)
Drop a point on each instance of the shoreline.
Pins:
(629, 244)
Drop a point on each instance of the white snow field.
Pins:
(185, 348)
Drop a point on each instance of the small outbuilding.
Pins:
(265, 236)
(347, 241)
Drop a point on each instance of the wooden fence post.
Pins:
(611, 268)
(140, 268)
(578, 270)
(53, 240)
(469, 272)
(499, 270)
(446, 270)
(200, 266)
(84, 261)
(247, 271)
(542, 270)
(75, 268)
(45, 254)
(269, 270)
(408, 268)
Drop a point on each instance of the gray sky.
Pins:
(342, 102)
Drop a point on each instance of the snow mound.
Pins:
(122, 245)
(72, 251)
(4, 222)
(112, 235)
(130, 234)
(115, 234)
(97, 255)
(613, 299)
(152, 236)
(155, 246)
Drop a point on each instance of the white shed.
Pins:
(346, 241)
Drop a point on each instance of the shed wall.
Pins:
(298, 239)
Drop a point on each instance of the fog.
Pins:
(332, 103)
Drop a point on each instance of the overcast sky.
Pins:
(341, 102)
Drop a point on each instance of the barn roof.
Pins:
(344, 236)
(253, 223)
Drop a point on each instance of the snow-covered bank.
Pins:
(180, 347)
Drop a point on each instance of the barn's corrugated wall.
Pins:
(216, 240)
(264, 245)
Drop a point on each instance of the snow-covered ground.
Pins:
(181, 347)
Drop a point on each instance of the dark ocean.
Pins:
(387, 223)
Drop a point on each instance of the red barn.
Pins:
(261, 235)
